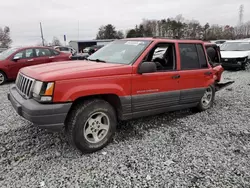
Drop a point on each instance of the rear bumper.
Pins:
(46, 116)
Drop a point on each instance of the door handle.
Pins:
(51, 57)
(30, 60)
(177, 76)
(208, 73)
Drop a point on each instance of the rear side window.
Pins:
(189, 56)
(41, 52)
(201, 55)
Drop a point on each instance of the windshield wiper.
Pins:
(97, 60)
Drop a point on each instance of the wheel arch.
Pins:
(111, 98)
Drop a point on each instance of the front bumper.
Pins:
(231, 65)
(46, 116)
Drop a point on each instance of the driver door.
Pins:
(26, 58)
(156, 92)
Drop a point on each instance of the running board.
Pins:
(220, 86)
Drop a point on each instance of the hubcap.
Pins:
(96, 127)
(1, 78)
(207, 97)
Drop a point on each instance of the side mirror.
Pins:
(147, 67)
(16, 59)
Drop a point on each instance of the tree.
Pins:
(131, 33)
(5, 40)
(109, 32)
(56, 42)
(137, 32)
(120, 35)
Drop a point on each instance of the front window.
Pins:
(235, 46)
(120, 51)
(5, 54)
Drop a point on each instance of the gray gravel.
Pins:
(179, 149)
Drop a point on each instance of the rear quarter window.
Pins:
(202, 56)
(54, 52)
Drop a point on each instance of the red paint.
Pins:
(84, 78)
(11, 68)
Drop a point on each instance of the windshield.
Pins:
(120, 51)
(7, 53)
(235, 46)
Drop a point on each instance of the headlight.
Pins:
(43, 91)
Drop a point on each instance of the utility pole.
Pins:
(78, 29)
(42, 33)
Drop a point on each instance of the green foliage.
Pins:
(109, 32)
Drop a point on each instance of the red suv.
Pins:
(13, 59)
(125, 79)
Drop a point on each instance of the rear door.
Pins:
(58, 56)
(195, 74)
(44, 55)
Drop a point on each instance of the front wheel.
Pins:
(207, 100)
(91, 125)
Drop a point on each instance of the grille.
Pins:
(24, 85)
(233, 60)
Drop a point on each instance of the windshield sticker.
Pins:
(136, 43)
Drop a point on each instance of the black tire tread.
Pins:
(199, 107)
(72, 118)
(5, 76)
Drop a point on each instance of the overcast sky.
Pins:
(61, 17)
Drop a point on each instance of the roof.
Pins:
(231, 41)
(165, 39)
(97, 40)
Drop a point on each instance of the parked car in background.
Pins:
(13, 59)
(65, 49)
(92, 49)
(124, 80)
(236, 54)
(2, 49)
(86, 52)
(219, 42)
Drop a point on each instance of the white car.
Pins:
(236, 54)
(66, 49)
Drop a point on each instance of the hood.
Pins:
(74, 70)
(235, 54)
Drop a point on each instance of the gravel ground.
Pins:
(179, 149)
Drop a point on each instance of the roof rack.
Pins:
(175, 37)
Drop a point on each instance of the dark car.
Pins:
(86, 52)
(13, 59)
(92, 49)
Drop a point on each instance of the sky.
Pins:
(80, 19)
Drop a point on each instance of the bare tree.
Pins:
(56, 42)
(5, 40)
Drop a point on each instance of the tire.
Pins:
(3, 78)
(89, 119)
(246, 66)
(202, 106)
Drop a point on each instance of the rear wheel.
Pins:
(3, 78)
(207, 100)
(91, 125)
